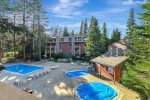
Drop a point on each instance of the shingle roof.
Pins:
(119, 45)
(110, 61)
(11, 93)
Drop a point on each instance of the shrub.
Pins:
(36, 58)
(57, 56)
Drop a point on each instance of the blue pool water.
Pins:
(96, 91)
(22, 68)
(76, 73)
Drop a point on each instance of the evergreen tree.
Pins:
(65, 32)
(93, 40)
(130, 26)
(4, 8)
(81, 29)
(116, 36)
(85, 31)
(24, 8)
(72, 33)
(104, 39)
(137, 73)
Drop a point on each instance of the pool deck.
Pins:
(123, 92)
(55, 85)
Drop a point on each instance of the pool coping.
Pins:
(116, 98)
(26, 73)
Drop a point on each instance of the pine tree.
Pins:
(137, 73)
(93, 40)
(24, 6)
(104, 39)
(130, 26)
(4, 7)
(85, 31)
(81, 29)
(15, 18)
(116, 35)
(72, 33)
(65, 32)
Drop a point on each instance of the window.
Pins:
(84, 39)
(70, 39)
(78, 38)
(61, 39)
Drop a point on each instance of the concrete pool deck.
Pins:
(124, 93)
(55, 85)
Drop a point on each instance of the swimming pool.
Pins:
(76, 73)
(22, 68)
(96, 91)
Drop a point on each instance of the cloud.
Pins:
(68, 8)
(132, 2)
(108, 11)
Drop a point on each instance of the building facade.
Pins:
(110, 62)
(68, 46)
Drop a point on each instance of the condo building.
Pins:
(69, 46)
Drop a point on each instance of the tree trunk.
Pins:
(14, 38)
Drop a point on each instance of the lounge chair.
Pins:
(19, 82)
(44, 72)
(54, 67)
(40, 74)
(31, 77)
(36, 76)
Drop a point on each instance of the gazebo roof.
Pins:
(11, 93)
(110, 61)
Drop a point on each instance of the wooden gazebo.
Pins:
(110, 65)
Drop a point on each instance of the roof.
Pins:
(8, 92)
(119, 45)
(110, 61)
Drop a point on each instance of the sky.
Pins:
(70, 13)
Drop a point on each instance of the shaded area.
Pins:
(1, 67)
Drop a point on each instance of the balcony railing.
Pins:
(68, 39)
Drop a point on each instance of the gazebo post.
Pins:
(114, 78)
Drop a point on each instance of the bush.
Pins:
(57, 56)
(36, 58)
(8, 54)
(7, 60)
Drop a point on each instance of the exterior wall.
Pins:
(82, 48)
(66, 49)
(118, 73)
(105, 70)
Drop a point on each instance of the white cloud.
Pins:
(131, 2)
(108, 11)
(68, 8)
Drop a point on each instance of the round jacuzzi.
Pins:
(76, 73)
(96, 91)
